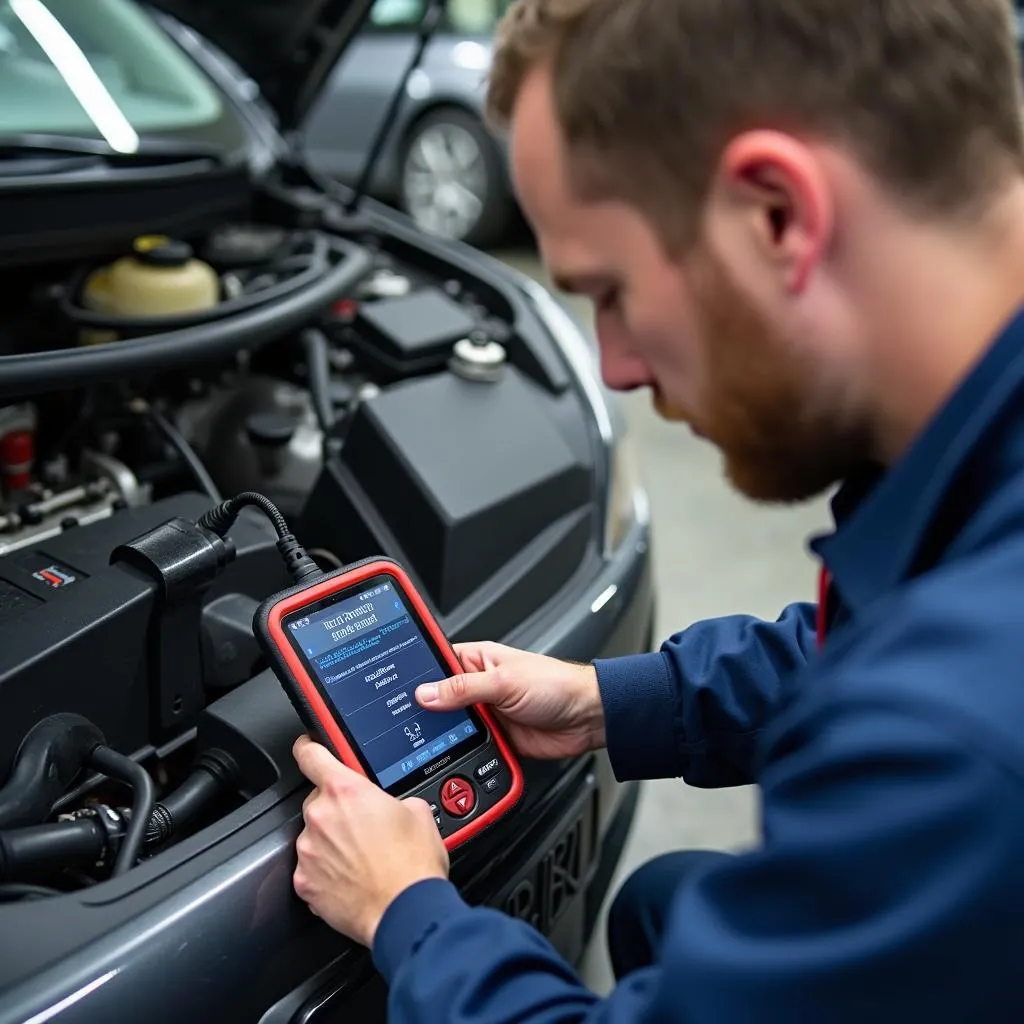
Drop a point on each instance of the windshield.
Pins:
(103, 69)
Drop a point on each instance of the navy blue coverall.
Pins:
(889, 885)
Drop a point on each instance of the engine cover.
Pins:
(78, 634)
(460, 474)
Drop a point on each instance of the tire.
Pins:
(448, 160)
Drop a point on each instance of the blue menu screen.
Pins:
(369, 655)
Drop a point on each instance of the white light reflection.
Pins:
(78, 74)
(472, 56)
(50, 1012)
(603, 598)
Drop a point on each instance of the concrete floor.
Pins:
(715, 553)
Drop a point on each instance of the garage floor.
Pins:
(715, 553)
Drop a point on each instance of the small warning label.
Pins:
(54, 576)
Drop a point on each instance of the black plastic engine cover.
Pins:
(409, 334)
(462, 475)
(76, 633)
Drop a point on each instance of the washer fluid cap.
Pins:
(386, 284)
(477, 359)
(161, 251)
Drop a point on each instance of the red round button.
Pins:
(458, 796)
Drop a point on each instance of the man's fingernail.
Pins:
(427, 693)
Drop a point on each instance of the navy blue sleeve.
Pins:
(695, 707)
(889, 888)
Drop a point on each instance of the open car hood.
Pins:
(288, 47)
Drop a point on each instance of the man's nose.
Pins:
(620, 369)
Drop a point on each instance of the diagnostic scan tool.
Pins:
(350, 648)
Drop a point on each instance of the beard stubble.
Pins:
(785, 434)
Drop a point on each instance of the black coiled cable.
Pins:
(220, 519)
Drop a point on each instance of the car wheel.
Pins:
(452, 179)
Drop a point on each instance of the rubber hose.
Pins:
(188, 454)
(39, 373)
(117, 766)
(318, 368)
(213, 776)
(39, 849)
(52, 753)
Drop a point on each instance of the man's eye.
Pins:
(608, 299)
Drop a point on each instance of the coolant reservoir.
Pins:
(160, 278)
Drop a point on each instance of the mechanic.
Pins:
(802, 225)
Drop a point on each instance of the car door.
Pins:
(341, 127)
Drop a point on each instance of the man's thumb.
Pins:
(460, 691)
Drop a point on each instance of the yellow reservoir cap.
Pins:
(160, 278)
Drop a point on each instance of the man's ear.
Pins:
(778, 202)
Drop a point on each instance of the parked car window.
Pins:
(63, 61)
(397, 14)
(475, 17)
(462, 17)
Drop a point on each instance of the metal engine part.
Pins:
(262, 435)
(101, 487)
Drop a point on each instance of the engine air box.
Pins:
(461, 475)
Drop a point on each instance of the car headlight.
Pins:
(626, 500)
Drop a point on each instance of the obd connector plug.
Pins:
(183, 559)
(219, 520)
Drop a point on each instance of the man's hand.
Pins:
(361, 847)
(549, 708)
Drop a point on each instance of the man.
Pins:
(801, 223)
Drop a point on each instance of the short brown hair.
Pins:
(927, 93)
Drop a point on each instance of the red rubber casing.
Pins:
(314, 710)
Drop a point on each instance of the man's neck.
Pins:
(943, 297)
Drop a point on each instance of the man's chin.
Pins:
(664, 408)
(766, 481)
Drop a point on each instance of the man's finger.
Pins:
(462, 690)
(420, 807)
(481, 655)
(316, 762)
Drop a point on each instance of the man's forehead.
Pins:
(536, 151)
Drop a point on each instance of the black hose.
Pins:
(39, 373)
(187, 452)
(319, 371)
(52, 753)
(40, 849)
(214, 775)
(117, 766)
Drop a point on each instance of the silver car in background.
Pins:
(440, 164)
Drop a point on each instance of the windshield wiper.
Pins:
(150, 150)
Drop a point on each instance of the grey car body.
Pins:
(439, 163)
(208, 928)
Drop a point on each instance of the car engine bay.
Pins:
(387, 395)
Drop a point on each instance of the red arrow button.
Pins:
(458, 797)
